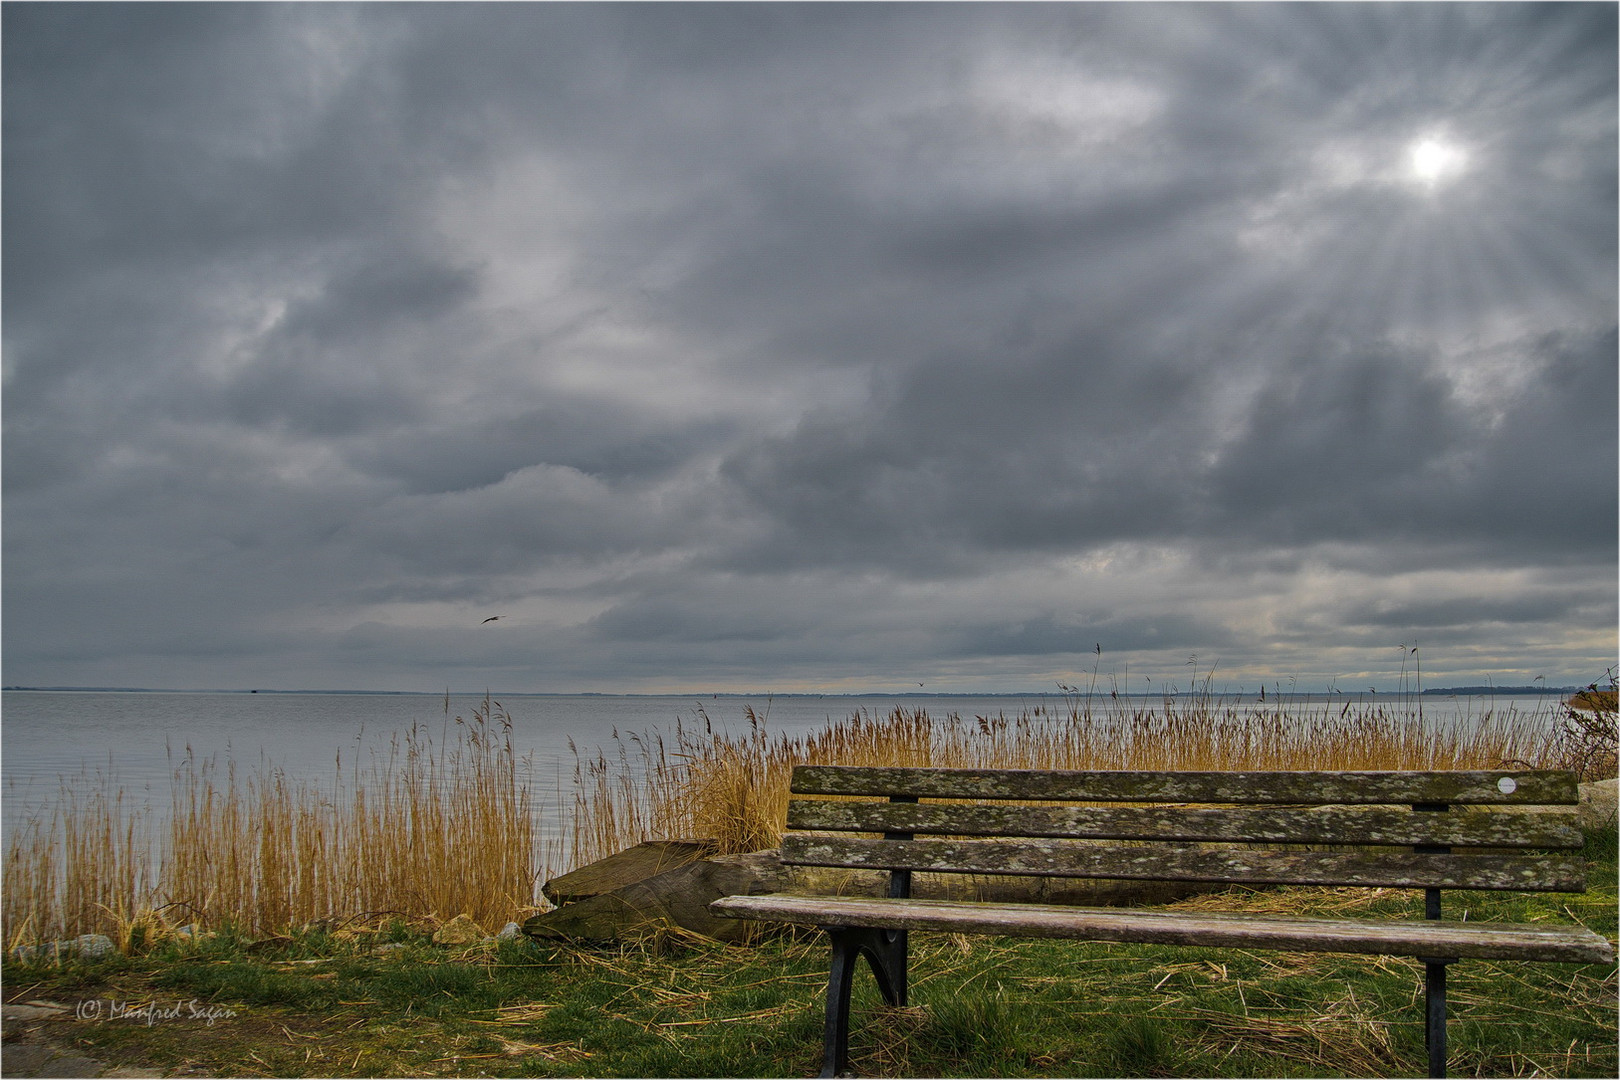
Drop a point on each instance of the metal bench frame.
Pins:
(1379, 829)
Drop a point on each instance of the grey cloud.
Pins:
(1051, 635)
(600, 438)
(379, 293)
(708, 325)
(1461, 613)
(1337, 446)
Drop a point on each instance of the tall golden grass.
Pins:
(428, 828)
(439, 827)
(734, 788)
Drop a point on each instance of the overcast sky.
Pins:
(801, 347)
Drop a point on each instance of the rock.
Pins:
(93, 945)
(635, 864)
(69, 1065)
(510, 932)
(47, 1059)
(460, 930)
(27, 1060)
(34, 1010)
(1598, 804)
(89, 946)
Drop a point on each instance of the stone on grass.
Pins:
(89, 946)
(93, 945)
(1598, 804)
(461, 930)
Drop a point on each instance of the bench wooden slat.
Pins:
(1063, 858)
(1390, 937)
(1298, 788)
(1327, 825)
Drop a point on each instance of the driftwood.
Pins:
(678, 897)
(625, 868)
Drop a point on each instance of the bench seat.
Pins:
(1483, 941)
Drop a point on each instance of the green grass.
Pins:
(340, 1005)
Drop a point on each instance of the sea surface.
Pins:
(51, 737)
(48, 738)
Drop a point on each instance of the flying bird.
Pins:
(492, 618)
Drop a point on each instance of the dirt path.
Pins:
(36, 1039)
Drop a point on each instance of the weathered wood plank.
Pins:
(1350, 788)
(1325, 825)
(1226, 930)
(1063, 858)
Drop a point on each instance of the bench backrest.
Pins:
(995, 823)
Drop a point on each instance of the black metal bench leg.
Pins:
(1434, 1023)
(835, 1060)
(885, 951)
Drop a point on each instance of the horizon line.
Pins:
(1470, 689)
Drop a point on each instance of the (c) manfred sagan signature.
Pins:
(150, 1012)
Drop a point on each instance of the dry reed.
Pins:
(734, 789)
(439, 827)
(430, 829)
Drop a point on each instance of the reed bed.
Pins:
(82, 863)
(733, 789)
(430, 828)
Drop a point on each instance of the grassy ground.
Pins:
(391, 1003)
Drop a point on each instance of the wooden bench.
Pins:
(1370, 829)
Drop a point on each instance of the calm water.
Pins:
(49, 736)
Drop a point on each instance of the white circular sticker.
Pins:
(1507, 785)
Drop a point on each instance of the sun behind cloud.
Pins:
(1433, 160)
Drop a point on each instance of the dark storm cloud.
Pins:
(1065, 636)
(804, 344)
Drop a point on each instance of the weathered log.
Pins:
(627, 867)
(678, 898)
